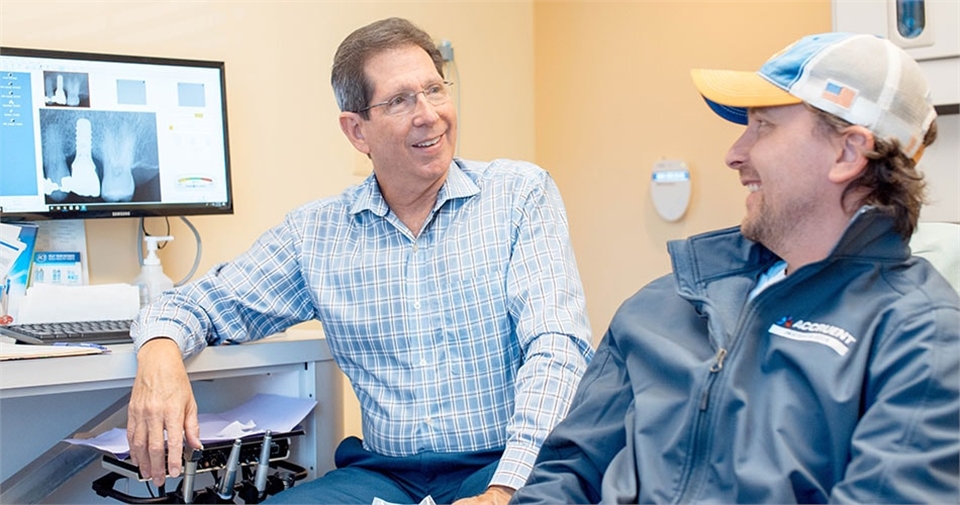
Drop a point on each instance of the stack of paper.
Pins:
(9, 351)
(279, 414)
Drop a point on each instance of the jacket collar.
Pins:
(723, 253)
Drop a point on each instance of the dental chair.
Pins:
(939, 243)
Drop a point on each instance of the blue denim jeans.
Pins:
(362, 475)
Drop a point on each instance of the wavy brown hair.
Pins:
(894, 185)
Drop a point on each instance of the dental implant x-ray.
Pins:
(97, 156)
(67, 89)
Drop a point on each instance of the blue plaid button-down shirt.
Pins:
(471, 336)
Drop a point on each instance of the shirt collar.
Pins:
(457, 185)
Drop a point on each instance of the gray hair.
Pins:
(350, 85)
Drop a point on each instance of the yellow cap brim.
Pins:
(739, 89)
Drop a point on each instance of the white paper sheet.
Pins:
(279, 414)
(11, 351)
(428, 500)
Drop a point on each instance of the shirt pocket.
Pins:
(475, 318)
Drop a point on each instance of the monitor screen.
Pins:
(87, 135)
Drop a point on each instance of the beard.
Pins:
(773, 225)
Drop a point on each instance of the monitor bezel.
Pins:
(123, 210)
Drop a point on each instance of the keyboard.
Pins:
(94, 332)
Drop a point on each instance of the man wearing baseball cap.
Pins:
(804, 356)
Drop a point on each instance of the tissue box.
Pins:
(53, 303)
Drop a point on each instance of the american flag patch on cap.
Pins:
(840, 95)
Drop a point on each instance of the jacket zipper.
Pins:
(715, 369)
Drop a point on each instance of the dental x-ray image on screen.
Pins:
(86, 135)
(69, 89)
(96, 156)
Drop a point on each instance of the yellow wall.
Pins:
(614, 96)
(595, 92)
(286, 145)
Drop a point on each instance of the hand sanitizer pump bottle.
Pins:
(152, 281)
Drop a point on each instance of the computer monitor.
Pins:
(86, 135)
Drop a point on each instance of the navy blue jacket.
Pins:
(837, 384)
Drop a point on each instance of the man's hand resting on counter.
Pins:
(162, 399)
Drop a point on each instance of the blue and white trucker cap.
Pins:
(863, 79)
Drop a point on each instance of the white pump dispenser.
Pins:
(152, 281)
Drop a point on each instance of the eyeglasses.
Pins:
(404, 103)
